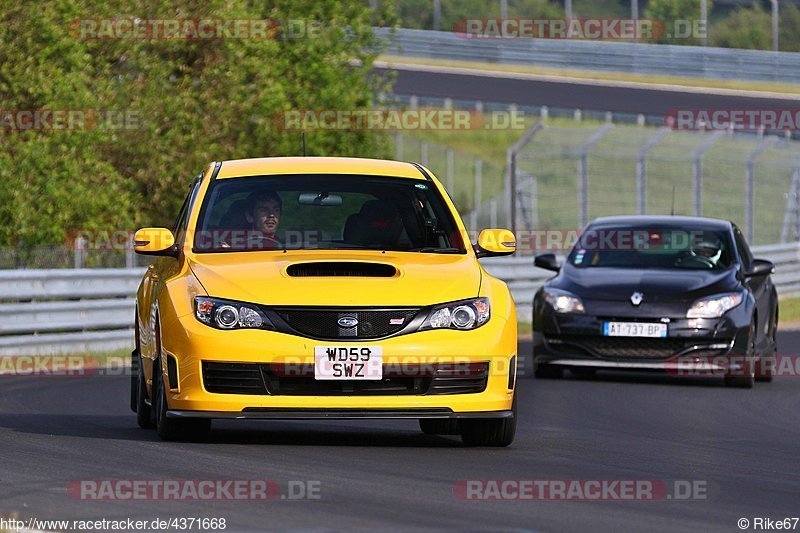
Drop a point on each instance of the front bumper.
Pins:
(698, 346)
(337, 414)
(190, 343)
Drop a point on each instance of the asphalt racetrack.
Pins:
(586, 94)
(741, 446)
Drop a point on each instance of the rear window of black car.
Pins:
(652, 247)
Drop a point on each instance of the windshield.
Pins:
(305, 212)
(652, 247)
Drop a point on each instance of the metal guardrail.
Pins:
(86, 310)
(660, 59)
(524, 279)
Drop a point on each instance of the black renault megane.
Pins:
(670, 293)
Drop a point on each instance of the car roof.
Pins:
(669, 221)
(266, 166)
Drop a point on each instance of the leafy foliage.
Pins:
(188, 102)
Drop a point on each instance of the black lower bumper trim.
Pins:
(259, 413)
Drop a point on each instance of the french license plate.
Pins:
(348, 362)
(634, 329)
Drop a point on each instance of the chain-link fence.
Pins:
(78, 254)
(566, 176)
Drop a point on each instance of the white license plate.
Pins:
(634, 329)
(348, 362)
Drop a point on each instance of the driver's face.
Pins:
(266, 216)
(706, 252)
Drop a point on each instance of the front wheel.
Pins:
(143, 414)
(497, 432)
(180, 429)
(748, 380)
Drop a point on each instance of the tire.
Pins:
(766, 364)
(177, 429)
(746, 382)
(438, 426)
(545, 371)
(498, 432)
(144, 415)
(583, 371)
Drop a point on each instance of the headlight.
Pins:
(467, 314)
(225, 314)
(714, 306)
(563, 301)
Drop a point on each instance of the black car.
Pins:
(669, 293)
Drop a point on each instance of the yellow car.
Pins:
(323, 288)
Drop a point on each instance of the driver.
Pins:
(707, 251)
(263, 213)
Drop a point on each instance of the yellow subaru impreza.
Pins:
(323, 288)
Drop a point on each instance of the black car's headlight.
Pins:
(226, 314)
(563, 301)
(714, 306)
(466, 314)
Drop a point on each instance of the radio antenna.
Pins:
(303, 134)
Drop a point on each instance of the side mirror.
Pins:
(547, 262)
(155, 241)
(760, 267)
(495, 242)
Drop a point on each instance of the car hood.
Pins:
(617, 284)
(261, 277)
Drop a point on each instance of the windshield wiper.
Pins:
(434, 250)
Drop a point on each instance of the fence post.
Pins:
(698, 170)
(511, 174)
(398, 146)
(476, 201)
(493, 212)
(749, 185)
(583, 172)
(80, 247)
(450, 171)
(130, 256)
(791, 222)
(641, 169)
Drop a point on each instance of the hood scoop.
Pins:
(347, 269)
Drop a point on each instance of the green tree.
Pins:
(679, 17)
(195, 101)
(746, 27)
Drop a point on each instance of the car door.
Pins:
(161, 270)
(758, 285)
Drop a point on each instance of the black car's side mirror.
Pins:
(547, 261)
(760, 267)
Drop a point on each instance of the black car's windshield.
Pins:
(652, 247)
(300, 212)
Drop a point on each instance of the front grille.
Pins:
(460, 378)
(233, 378)
(623, 347)
(298, 380)
(324, 323)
